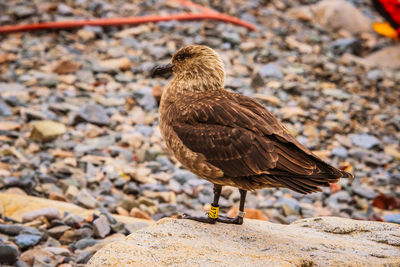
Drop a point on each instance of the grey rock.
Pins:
(183, 176)
(93, 113)
(231, 37)
(49, 213)
(167, 209)
(72, 220)
(85, 242)
(364, 192)
(23, 11)
(14, 229)
(101, 227)
(395, 179)
(271, 70)
(4, 109)
(8, 254)
(63, 9)
(57, 231)
(86, 199)
(26, 240)
(374, 75)
(340, 152)
(393, 218)
(366, 141)
(84, 257)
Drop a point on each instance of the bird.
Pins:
(230, 139)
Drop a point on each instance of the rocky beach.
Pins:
(82, 161)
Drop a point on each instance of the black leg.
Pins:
(239, 218)
(213, 214)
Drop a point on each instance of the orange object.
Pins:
(385, 29)
(206, 13)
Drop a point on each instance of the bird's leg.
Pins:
(213, 214)
(239, 218)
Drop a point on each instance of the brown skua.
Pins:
(230, 139)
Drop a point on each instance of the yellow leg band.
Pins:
(213, 214)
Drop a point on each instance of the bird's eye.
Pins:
(181, 57)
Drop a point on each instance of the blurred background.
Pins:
(79, 113)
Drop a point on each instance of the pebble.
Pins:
(93, 113)
(8, 254)
(108, 152)
(26, 240)
(101, 227)
(86, 199)
(49, 213)
(364, 140)
(271, 70)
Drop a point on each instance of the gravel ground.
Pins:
(78, 117)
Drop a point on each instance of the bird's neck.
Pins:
(196, 81)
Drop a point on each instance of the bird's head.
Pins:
(195, 63)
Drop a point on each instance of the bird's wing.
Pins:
(242, 138)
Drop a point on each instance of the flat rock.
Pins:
(387, 57)
(321, 241)
(47, 130)
(15, 206)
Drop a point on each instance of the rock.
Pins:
(393, 218)
(86, 199)
(64, 9)
(85, 242)
(4, 109)
(86, 35)
(366, 141)
(84, 257)
(270, 99)
(23, 11)
(8, 253)
(137, 213)
(290, 112)
(65, 67)
(388, 57)
(183, 176)
(116, 64)
(101, 227)
(14, 206)
(333, 242)
(93, 113)
(340, 14)
(49, 213)
(374, 75)
(47, 130)
(340, 151)
(34, 257)
(271, 70)
(26, 240)
(57, 231)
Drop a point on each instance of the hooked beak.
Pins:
(162, 70)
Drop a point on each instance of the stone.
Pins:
(366, 141)
(388, 57)
(271, 70)
(85, 242)
(101, 227)
(321, 241)
(49, 213)
(57, 231)
(86, 199)
(93, 113)
(26, 240)
(14, 206)
(183, 176)
(36, 256)
(340, 14)
(23, 11)
(4, 109)
(8, 253)
(86, 35)
(393, 218)
(47, 130)
(116, 64)
(137, 213)
(66, 66)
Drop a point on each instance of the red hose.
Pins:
(206, 13)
